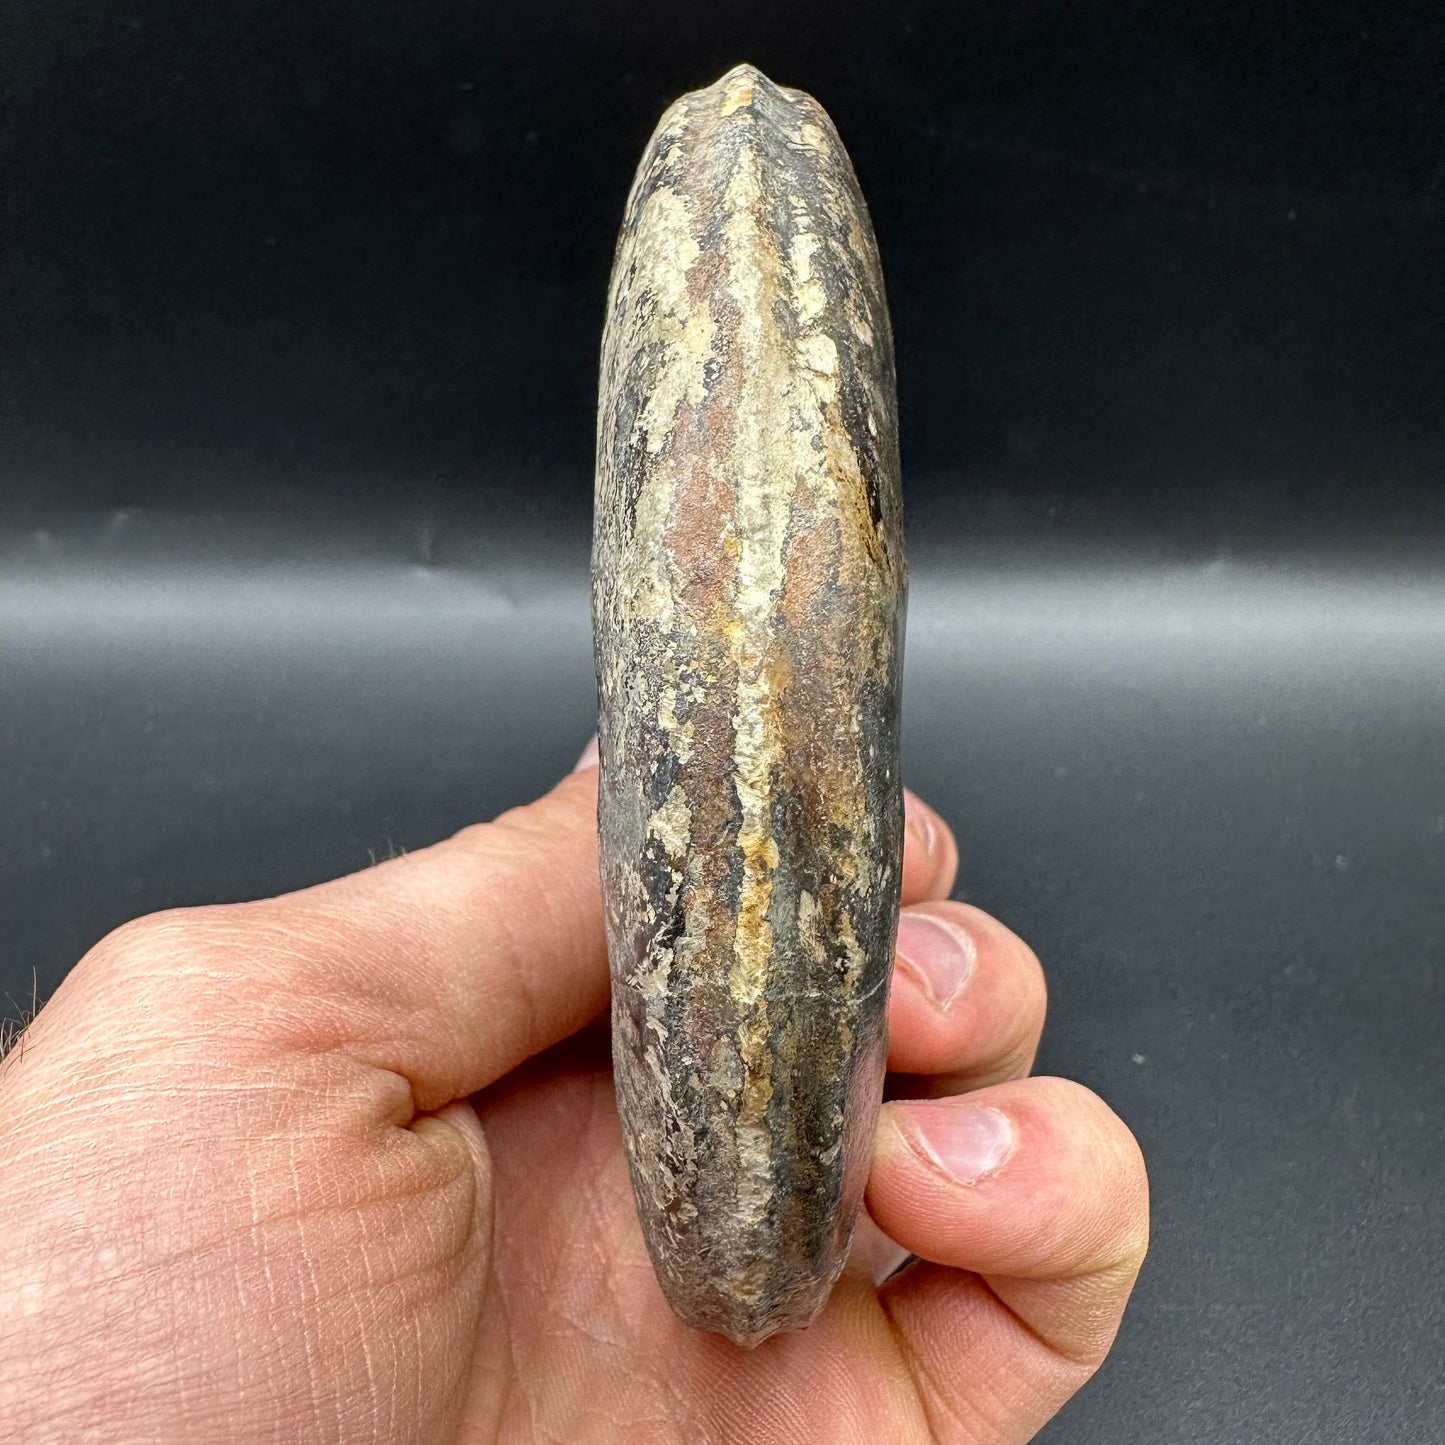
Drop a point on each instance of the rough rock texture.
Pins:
(748, 602)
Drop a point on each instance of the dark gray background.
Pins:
(299, 310)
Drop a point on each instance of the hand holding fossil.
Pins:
(345, 1165)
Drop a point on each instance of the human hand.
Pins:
(345, 1165)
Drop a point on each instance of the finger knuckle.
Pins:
(505, 838)
(178, 952)
(141, 943)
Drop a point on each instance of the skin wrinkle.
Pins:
(600, 1277)
(311, 1288)
(370, 1286)
(263, 1226)
(1089, 1356)
(1063, 1373)
(361, 1304)
(512, 1382)
(933, 1399)
(553, 1273)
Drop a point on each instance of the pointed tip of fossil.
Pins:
(750, 1341)
(741, 85)
(749, 1328)
(743, 71)
(747, 1323)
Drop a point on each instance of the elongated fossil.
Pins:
(748, 600)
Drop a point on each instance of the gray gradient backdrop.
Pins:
(299, 310)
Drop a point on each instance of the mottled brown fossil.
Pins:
(748, 601)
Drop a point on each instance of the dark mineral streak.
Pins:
(748, 601)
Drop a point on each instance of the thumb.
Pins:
(448, 966)
(454, 964)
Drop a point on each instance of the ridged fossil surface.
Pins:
(748, 601)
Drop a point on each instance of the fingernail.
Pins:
(590, 756)
(964, 1141)
(936, 955)
(921, 821)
